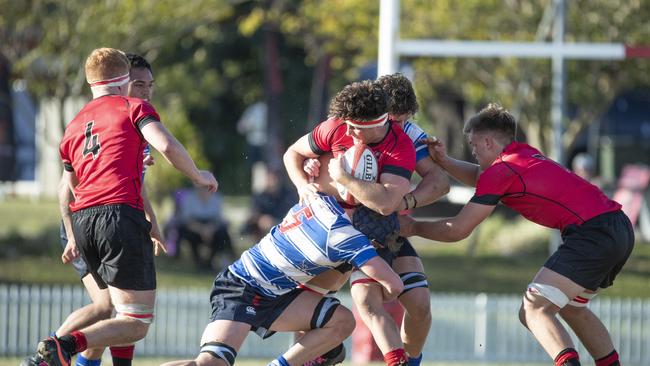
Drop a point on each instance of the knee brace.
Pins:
(141, 312)
(413, 280)
(220, 351)
(582, 300)
(551, 293)
(323, 312)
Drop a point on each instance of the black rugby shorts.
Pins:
(592, 254)
(115, 243)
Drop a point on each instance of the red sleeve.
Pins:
(493, 184)
(65, 157)
(320, 138)
(400, 160)
(142, 113)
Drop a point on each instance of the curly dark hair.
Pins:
(493, 118)
(137, 61)
(362, 100)
(400, 93)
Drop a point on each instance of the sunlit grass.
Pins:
(251, 362)
(508, 253)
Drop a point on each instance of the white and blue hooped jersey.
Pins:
(311, 239)
(415, 133)
(145, 153)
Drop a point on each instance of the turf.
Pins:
(501, 257)
(251, 362)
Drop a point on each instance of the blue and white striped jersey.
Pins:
(415, 133)
(310, 240)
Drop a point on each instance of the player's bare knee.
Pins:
(103, 310)
(138, 331)
(421, 313)
(369, 309)
(569, 313)
(419, 306)
(343, 322)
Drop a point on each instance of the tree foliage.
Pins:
(524, 83)
(208, 59)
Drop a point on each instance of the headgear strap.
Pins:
(116, 81)
(379, 121)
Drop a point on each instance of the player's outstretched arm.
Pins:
(380, 271)
(449, 229)
(463, 171)
(157, 135)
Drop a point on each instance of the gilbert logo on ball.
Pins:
(360, 162)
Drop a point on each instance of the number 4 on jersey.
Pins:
(91, 144)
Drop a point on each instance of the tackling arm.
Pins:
(450, 229)
(157, 135)
(463, 171)
(434, 184)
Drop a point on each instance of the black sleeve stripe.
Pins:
(68, 167)
(313, 146)
(486, 199)
(397, 170)
(145, 121)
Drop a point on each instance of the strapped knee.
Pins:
(323, 312)
(220, 351)
(358, 277)
(141, 312)
(413, 280)
(582, 300)
(551, 293)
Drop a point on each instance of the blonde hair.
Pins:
(106, 63)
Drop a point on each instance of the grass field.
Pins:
(501, 257)
(507, 254)
(250, 362)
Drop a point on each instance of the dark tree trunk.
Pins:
(272, 93)
(319, 95)
(7, 140)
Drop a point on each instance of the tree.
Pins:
(591, 84)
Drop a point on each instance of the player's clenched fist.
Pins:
(436, 148)
(311, 167)
(207, 181)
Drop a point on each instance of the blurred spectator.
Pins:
(198, 219)
(269, 206)
(584, 166)
(252, 125)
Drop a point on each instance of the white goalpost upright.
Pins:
(392, 47)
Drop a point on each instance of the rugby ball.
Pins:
(361, 163)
